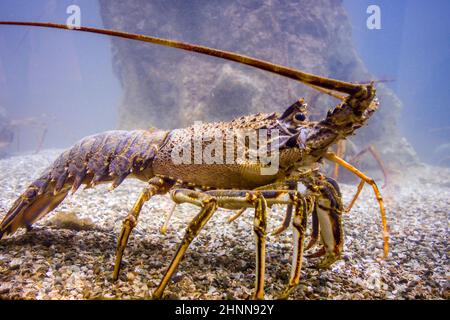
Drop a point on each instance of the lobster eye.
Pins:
(299, 117)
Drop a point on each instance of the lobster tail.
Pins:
(105, 157)
(33, 204)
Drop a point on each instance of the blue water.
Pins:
(412, 49)
(39, 70)
(63, 74)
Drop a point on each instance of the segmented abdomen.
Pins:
(108, 156)
(111, 155)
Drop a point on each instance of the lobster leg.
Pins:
(259, 227)
(209, 201)
(286, 222)
(41, 139)
(315, 229)
(237, 214)
(163, 228)
(156, 186)
(299, 228)
(327, 221)
(288, 217)
(340, 152)
(332, 157)
(358, 191)
(330, 233)
(377, 158)
(209, 206)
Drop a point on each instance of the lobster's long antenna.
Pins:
(307, 78)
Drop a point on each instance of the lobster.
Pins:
(299, 144)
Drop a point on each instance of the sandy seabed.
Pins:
(60, 261)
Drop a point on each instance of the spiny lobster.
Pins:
(147, 155)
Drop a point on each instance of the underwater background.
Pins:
(67, 80)
(58, 86)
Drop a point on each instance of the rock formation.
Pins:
(169, 88)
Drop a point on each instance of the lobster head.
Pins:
(316, 136)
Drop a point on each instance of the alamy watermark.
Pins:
(74, 19)
(373, 22)
(258, 148)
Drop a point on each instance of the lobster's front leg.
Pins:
(286, 221)
(328, 215)
(365, 179)
(230, 199)
(261, 199)
(209, 206)
(299, 228)
(259, 227)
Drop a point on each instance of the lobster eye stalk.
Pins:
(304, 77)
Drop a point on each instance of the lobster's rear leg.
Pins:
(156, 186)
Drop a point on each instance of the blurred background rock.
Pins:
(169, 88)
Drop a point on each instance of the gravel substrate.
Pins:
(58, 260)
